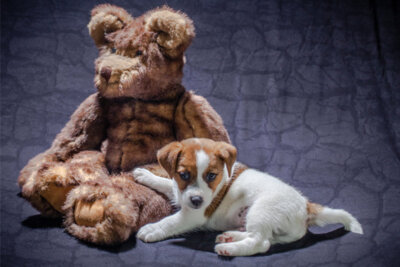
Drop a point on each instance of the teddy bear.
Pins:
(140, 106)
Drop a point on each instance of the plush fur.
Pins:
(216, 193)
(140, 106)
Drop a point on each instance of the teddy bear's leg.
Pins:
(109, 212)
(54, 181)
(46, 182)
(27, 180)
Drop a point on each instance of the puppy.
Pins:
(215, 192)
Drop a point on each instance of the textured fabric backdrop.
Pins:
(309, 91)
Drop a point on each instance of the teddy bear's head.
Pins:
(139, 57)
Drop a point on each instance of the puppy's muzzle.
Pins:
(196, 201)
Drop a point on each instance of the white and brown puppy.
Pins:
(217, 193)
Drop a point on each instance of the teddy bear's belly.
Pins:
(135, 134)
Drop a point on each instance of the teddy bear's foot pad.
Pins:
(56, 195)
(89, 213)
(100, 214)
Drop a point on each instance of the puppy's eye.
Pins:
(185, 176)
(139, 53)
(210, 177)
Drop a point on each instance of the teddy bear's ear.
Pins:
(168, 157)
(175, 30)
(106, 19)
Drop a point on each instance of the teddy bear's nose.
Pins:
(106, 73)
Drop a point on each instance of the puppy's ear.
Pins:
(106, 19)
(227, 153)
(168, 157)
(175, 30)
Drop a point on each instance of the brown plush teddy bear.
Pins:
(140, 106)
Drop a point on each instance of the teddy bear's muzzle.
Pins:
(115, 74)
(106, 73)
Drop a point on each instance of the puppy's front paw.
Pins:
(141, 175)
(151, 233)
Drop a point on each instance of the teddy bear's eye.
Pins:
(139, 53)
(113, 50)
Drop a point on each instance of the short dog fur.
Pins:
(215, 192)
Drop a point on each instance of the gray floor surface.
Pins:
(309, 91)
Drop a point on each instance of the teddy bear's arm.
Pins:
(84, 131)
(195, 117)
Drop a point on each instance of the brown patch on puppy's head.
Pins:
(142, 57)
(219, 153)
(181, 157)
(227, 153)
(168, 156)
(176, 159)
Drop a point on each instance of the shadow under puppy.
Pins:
(215, 192)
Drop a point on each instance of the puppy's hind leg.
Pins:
(231, 236)
(251, 244)
(257, 237)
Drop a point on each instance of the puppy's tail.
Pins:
(320, 215)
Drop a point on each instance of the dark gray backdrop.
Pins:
(309, 91)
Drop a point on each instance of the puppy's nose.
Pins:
(196, 201)
(106, 73)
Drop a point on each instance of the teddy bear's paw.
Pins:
(151, 232)
(54, 182)
(45, 183)
(100, 213)
(56, 195)
(31, 183)
(89, 213)
(142, 175)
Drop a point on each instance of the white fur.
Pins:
(199, 188)
(328, 215)
(149, 179)
(277, 213)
